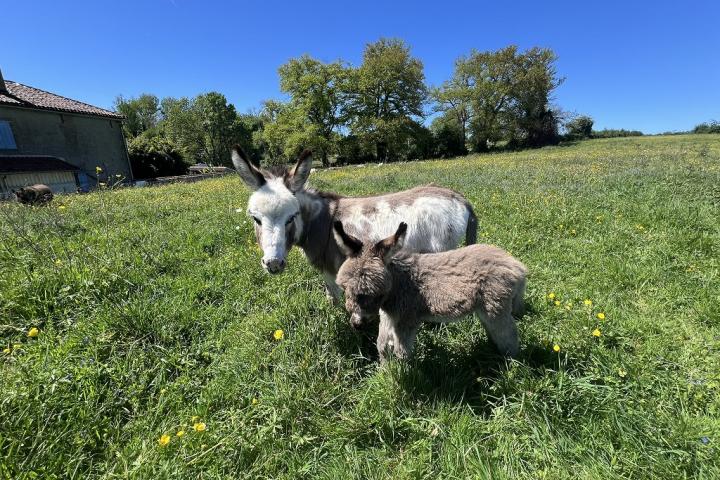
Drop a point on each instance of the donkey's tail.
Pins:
(471, 229)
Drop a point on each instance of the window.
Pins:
(7, 141)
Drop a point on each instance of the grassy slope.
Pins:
(152, 309)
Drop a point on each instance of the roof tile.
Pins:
(25, 96)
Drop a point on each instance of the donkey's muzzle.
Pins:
(274, 265)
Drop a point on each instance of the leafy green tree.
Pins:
(533, 123)
(385, 95)
(448, 136)
(203, 128)
(316, 92)
(141, 113)
(491, 80)
(579, 127)
(154, 156)
(502, 95)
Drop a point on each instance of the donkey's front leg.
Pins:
(332, 291)
(396, 337)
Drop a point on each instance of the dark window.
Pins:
(7, 140)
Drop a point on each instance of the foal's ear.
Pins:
(298, 175)
(390, 246)
(348, 244)
(249, 172)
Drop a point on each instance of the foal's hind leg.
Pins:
(502, 331)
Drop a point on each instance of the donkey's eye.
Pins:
(289, 220)
(257, 220)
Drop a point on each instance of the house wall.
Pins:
(59, 182)
(81, 140)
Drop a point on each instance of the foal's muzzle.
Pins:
(273, 265)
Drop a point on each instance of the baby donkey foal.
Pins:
(406, 290)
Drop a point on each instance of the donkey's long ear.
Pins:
(249, 172)
(298, 175)
(390, 246)
(348, 244)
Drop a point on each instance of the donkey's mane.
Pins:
(323, 194)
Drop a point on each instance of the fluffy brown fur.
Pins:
(439, 287)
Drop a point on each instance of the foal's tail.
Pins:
(471, 229)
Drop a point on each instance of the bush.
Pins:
(152, 157)
(612, 133)
(579, 127)
(447, 137)
(709, 127)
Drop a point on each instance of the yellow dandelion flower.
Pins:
(278, 334)
(601, 316)
(556, 348)
(622, 372)
(6, 350)
(587, 302)
(551, 295)
(33, 332)
(557, 303)
(254, 401)
(62, 207)
(596, 332)
(199, 427)
(180, 433)
(58, 262)
(164, 439)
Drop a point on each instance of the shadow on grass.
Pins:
(473, 376)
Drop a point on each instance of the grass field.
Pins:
(154, 317)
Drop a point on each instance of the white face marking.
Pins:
(276, 209)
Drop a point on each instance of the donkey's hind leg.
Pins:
(502, 331)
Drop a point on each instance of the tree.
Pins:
(203, 128)
(448, 136)
(154, 156)
(453, 98)
(316, 92)
(579, 127)
(533, 123)
(502, 95)
(141, 113)
(385, 94)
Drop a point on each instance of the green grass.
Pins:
(152, 308)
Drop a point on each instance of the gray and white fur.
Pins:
(287, 213)
(407, 289)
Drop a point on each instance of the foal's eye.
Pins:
(289, 220)
(257, 220)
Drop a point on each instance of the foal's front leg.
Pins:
(396, 337)
(332, 291)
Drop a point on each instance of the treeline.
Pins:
(375, 111)
(581, 127)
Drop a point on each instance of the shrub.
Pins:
(611, 133)
(152, 157)
(709, 127)
(579, 127)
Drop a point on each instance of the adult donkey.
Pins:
(287, 213)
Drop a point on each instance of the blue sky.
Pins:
(648, 65)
